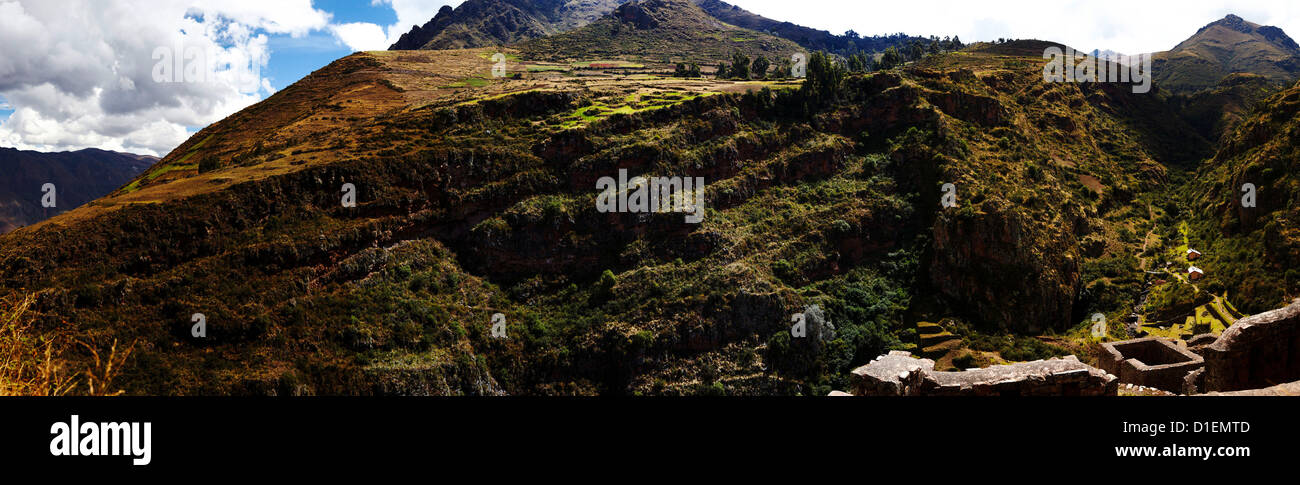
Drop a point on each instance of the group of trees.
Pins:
(743, 68)
(687, 70)
(906, 50)
(851, 43)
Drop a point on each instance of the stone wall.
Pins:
(1256, 352)
(1151, 362)
(900, 374)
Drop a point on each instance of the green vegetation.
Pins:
(825, 195)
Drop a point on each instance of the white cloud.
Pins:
(82, 73)
(363, 36)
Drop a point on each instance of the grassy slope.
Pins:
(1254, 251)
(477, 200)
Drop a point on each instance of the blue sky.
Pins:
(294, 58)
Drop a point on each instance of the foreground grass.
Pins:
(32, 364)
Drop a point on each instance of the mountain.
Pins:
(810, 38)
(482, 23)
(1253, 252)
(659, 29)
(1217, 110)
(476, 196)
(78, 177)
(1227, 46)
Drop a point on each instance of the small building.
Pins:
(1193, 255)
(1194, 273)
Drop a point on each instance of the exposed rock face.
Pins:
(900, 374)
(1256, 352)
(1151, 362)
(894, 374)
(638, 15)
(481, 23)
(993, 263)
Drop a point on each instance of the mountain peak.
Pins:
(1231, 20)
(1234, 23)
(481, 23)
(1226, 46)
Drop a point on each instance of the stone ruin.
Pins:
(1150, 362)
(1256, 352)
(900, 374)
(1257, 355)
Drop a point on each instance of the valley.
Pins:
(477, 194)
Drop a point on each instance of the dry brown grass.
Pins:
(33, 364)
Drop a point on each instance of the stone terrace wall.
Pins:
(1256, 352)
(900, 374)
(1151, 362)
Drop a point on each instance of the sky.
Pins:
(86, 73)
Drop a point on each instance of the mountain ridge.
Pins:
(79, 177)
(658, 29)
(1224, 47)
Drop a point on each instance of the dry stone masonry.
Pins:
(1150, 362)
(900, 374)
(1257, 355)
(1256, 352)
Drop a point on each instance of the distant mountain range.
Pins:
(1224, 47)
(483, 23)
(657, 29)
(78, 177)
(480, 23)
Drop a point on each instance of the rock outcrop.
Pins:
(1256, 352)
(900, 374)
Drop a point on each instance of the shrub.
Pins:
(965, 361)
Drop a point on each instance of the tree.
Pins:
(915, 52)
(890, 59)
(782, 69)
(858, 63)
(723, 71)
(759, 67)
(683, 70)
(739, 66)
(824, 77)
(956, 43)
